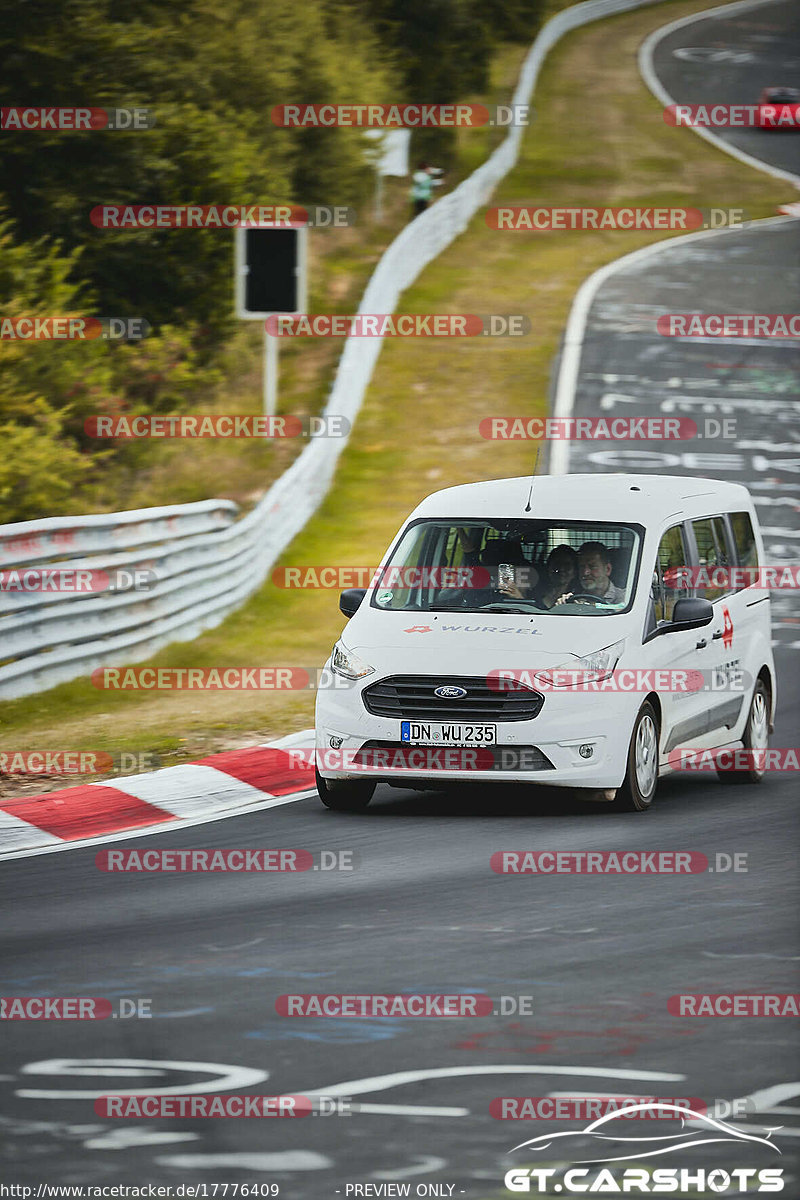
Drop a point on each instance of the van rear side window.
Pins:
(712, 552)
(744, 539)
(671, 575)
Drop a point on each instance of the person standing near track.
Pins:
(423, 181)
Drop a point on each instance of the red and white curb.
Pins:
(225, 784)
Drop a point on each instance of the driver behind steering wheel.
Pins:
(594, 575)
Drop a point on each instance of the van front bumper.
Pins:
(576, 740)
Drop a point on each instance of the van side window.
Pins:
(712, 552)
(744, 539)
(671, 575)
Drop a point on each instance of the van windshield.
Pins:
(565, 568)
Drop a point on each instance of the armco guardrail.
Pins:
(206, 563)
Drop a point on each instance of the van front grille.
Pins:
(412, 697)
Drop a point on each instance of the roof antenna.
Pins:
(535, 465)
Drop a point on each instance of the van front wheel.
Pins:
(344, 795)
(641, 777)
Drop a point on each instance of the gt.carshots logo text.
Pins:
(609, 1139)
(679, 1181)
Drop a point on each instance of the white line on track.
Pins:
(579, 314)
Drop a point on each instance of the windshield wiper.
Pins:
(510, 608)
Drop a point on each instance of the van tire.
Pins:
(641, 776)
(344, 795)
(755, 737)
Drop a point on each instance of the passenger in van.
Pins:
(561, 575)
(594, 575)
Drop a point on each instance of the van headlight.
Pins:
(345, 662)
(593, 667)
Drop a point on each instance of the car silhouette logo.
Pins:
(697, 1129)
(450, 692)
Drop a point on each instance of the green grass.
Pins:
(603, 143)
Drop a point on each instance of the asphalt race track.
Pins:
(728, 59)
(421, 910)
(628, 369)
(598, 955)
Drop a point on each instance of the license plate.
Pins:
(436, 733)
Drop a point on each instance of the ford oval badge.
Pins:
(449, 692)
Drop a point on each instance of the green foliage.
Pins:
(211, 74)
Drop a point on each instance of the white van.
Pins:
(581, 631)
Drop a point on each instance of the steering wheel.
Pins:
(584, 597)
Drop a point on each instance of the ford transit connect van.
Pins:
(581, 631)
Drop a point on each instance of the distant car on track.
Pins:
(779, 108)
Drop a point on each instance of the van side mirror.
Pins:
(692, 612)
(350, 601)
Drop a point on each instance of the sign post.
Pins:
(269, 279)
